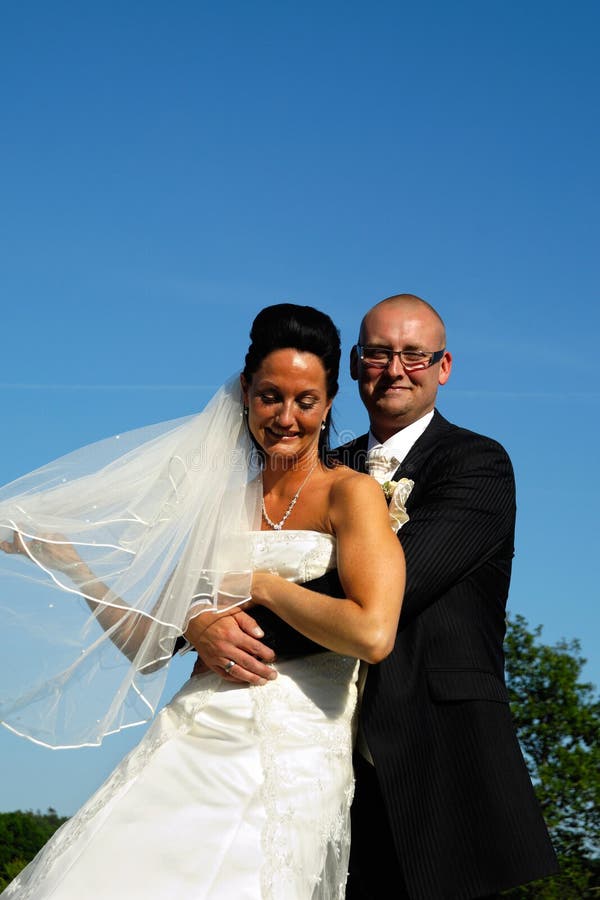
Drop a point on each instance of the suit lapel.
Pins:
(422, 447)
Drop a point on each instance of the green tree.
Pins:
(22, 835)
(558, 722)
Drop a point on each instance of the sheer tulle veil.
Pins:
(161, 516)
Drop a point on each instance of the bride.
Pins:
(234, 791)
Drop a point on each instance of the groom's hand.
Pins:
(232, 638)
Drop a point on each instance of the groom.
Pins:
(444, 808)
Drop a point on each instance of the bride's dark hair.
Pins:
(304, 328)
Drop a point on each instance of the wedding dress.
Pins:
(234, 792)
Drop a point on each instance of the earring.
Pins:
(245, 410)
(323, 426)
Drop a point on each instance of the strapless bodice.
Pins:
(295, 555)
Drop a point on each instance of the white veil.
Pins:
(161, 517)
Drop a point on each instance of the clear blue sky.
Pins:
(167, 169)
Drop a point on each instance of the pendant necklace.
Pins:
(277, 526)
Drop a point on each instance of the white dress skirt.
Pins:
(234, 793)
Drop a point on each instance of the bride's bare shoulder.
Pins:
(345, 482)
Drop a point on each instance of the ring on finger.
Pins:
(229, 665)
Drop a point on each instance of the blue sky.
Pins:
(169, 169)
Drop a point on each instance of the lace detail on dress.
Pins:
(320, 693)
(321, 805)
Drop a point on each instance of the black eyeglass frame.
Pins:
(433, 357)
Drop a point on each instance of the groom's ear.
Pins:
(445, 368)
(354, 363)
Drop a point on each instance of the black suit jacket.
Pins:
(462, 811)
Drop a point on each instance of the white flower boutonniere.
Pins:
(397, 493)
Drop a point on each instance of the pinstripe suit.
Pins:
(462, 814)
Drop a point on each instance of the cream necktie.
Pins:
(380, 464)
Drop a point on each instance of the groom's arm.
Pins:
(463, 516)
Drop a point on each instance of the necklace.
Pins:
(277, 526)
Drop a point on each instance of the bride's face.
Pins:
(287, 402)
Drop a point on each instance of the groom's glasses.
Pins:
(381, 357)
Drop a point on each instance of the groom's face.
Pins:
(393, 397)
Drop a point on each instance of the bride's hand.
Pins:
(51, 550)
(16, 546)
(264, 588)
(233, 592)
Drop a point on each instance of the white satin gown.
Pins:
(234, 793)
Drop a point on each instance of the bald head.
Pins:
(404, 305)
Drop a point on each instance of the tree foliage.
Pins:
(22, 835)
(557, 716)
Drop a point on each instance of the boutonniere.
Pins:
(396, 494)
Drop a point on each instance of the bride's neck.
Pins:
(282, 473)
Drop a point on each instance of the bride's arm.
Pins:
(372, 572)
(127, 628)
